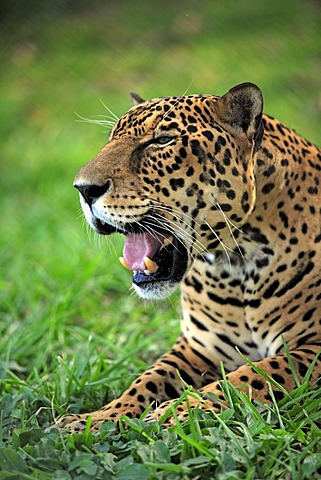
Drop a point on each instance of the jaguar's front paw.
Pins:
(175, 411)
(77, 423)
(166, 409)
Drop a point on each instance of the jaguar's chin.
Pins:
(156, 290)
(157, 258)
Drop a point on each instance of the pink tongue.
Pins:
(138, 246)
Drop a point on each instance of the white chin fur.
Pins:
(156, 291)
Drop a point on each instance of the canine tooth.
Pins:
(147, 272)
(151, 266)
(168, 240)
(123, 262)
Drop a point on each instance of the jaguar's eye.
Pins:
(160, 141)
(163, 140)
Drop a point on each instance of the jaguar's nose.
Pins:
(91, 193)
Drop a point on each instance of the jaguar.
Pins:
(223, 201)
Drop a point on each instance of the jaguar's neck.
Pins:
(287, 180)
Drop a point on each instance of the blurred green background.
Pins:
(63, 57)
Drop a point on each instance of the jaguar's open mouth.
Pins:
(153, 256)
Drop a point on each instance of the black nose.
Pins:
(92, 192)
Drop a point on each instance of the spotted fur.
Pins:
(240, 194)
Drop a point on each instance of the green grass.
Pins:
(72, 336)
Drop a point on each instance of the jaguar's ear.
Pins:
(135, 99)
(241, 110)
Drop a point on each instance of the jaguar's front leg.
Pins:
(165, 380)
(250, 382)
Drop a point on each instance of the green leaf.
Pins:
(61, 475)
(134, 472)
(84, 463)
(31, 437)
(10, 461)
(108, 461)
(161, 452)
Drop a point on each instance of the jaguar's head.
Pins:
(175, 178)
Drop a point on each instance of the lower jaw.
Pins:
(156, 290)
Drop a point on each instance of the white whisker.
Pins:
(216, 204)
(81, 215)
(227, 221)
(225, 248)
(103, 122)
(179, 214)
(111, 246)
(108, 110)
(184, 235)
(181, 96)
